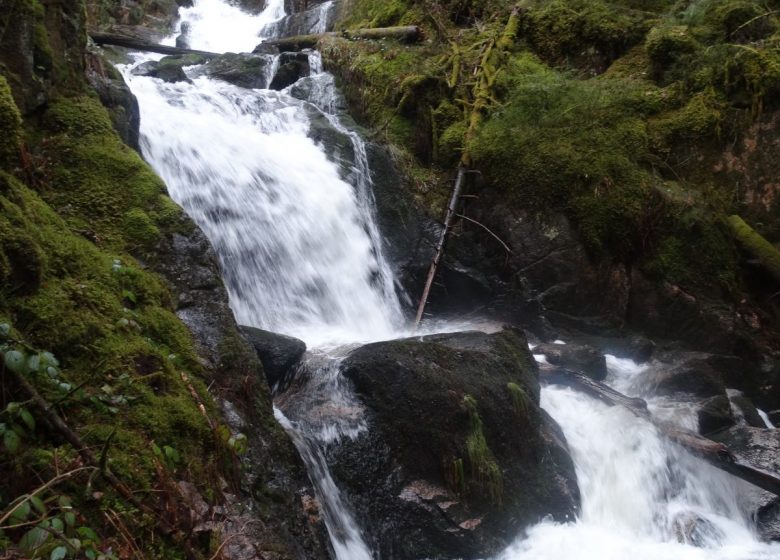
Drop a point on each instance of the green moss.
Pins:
(103, 187)
(563, 31)
(666, 45)
(483, 465)
(699, 119)
(756, 245)
(10, 127)
(519, 399)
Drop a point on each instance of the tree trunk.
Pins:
(405, 34)
(141, 45)
(758, 247)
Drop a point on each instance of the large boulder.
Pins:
(694, 375)
(243, 70)
(458, 457)
(277, 352)
(580, 357)
(292, 67)
(170, 68)
(761, 448)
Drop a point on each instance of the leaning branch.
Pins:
(405, 34)
(714, 453)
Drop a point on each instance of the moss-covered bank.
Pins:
(94, 261)
(616, 114)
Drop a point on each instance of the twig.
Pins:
(21, 499)
(483, 226)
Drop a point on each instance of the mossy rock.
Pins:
(10, 127)
(454, 424)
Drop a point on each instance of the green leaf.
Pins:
(14, 360)
(53, 372)
(13, 407)
(38, 504)
(49, 359)
(11, 441)
(59, 553)
(87, 534)
(70, 518)
(172, 454)
(34, 362)
(20, 512)
(33, 539)
(27, 418)
(56, 523)
(5, 330)
(64, 502)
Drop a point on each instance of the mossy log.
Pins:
(404, 34)
(714, 453)
(141, 45)
(756, 245)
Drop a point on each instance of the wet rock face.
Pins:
(277, 352)
(761, 448)
(115, 96)
(459, 457)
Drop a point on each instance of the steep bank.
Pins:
(145, 364)
(616, 140)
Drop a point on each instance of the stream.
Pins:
(292, 222)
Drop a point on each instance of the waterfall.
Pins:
(301, 254)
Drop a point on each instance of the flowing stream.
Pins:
(293, 226)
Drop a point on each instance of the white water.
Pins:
(641, 496)
(301, 254)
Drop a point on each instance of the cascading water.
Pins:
(301, 254)
(642, 497)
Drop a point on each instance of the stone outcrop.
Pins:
(459, 457)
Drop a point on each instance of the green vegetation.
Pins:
(484, 468)
(614, 113)
(78, 208)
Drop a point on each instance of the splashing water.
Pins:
(642, 497)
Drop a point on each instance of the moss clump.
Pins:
(10, 126)
(519, 399)
(699, 119)
(666, 45)
(484, 468)
(103, 187)
(564, 31)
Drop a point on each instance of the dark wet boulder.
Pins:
(694, 375)
(579, 357)
(277, 352)
(170, 68)
(715, 414)
(292, 67)
(458, 457)
(761, 448)
(243, 70)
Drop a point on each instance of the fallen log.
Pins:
(142, 45)
(756, 245)
(716, 454)
(405, 34)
